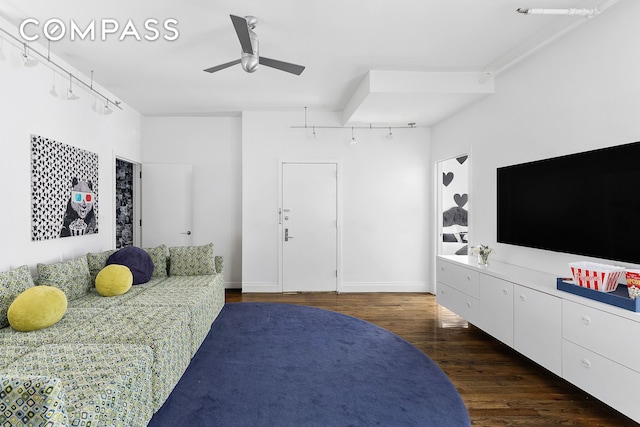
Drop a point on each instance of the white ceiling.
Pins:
(339, 42)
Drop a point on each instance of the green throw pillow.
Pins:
(192, 260)
(12, 284)
(71, 277)
(97, 261)
(159, 257)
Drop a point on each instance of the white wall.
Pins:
(213, 146)
(581, 93)
(26, 108)
(385, 198)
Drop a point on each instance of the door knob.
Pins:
(188, 233)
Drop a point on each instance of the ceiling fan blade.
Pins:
(222, 66)
(281, 65)
(242, 30)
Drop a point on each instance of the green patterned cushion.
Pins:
(97, 261)
(164, 329)
(44, 404)
(12, 284)
(10, 353)
(203, 303)
(219, 264)
(103, 385)
(70, 326)
(191, 260)
(159, 257)
(72, 277)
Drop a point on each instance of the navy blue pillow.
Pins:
(138, 261)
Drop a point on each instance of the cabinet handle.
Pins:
(441, 291)
(468, 304)
(586, 319)
(523, 298)
(468, 277)
(585, 363)
(505, 291)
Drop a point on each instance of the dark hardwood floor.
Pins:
(499, 386)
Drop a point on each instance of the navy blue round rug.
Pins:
(266, 364)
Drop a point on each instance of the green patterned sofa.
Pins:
(110, 361)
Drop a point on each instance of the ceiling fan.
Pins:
(249, 43)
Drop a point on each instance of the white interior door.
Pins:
(309, 227)
(166, 204)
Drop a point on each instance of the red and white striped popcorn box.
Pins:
(600, 277)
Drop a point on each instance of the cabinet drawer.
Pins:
(460, 303)
(609, 335)
(458, 277)
(614, 384)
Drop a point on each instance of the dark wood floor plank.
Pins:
(499, 386)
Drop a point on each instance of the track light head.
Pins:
(71, 96)
(53, 92)
(354, 141)
(107, 110)
(27, 59)
(389, 136)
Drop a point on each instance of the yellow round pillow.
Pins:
(114, 279)
(37, 308)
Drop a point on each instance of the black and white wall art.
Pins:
(124, 204)
(64, 190)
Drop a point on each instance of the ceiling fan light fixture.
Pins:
(250, 59)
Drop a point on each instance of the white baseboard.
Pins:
(346, 287)
(382, 287)
(233, 285)
(260, 287)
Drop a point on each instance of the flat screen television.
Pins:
(585, 204)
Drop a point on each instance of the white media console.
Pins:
(593, 345)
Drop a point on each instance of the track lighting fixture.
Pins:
(353, 141)
(28, 60)
(107, 110)
(70, 95)
(587, 13)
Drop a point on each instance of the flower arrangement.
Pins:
(483, 252)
